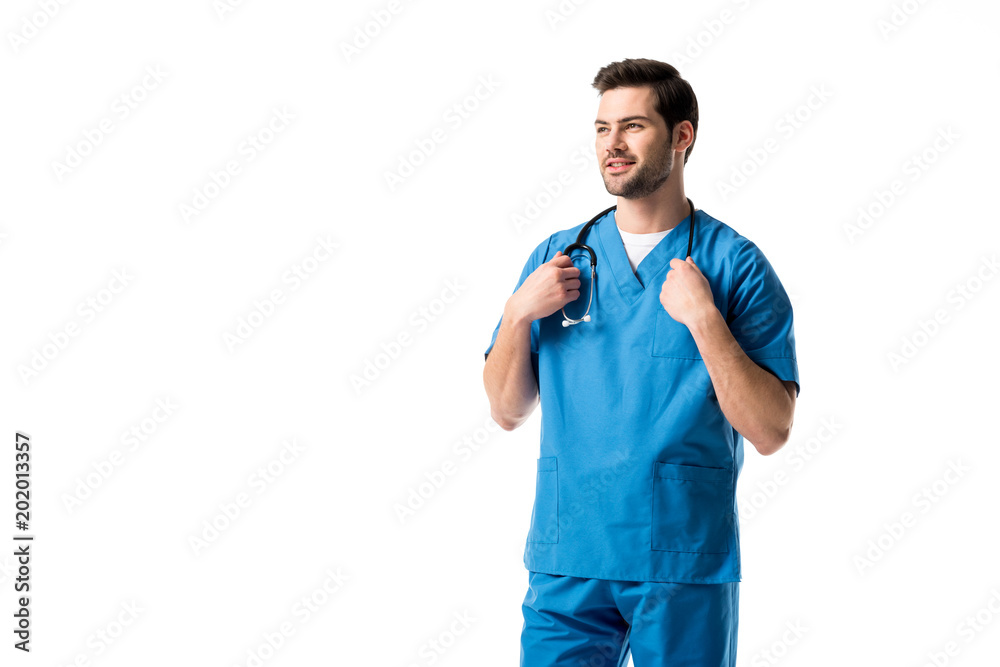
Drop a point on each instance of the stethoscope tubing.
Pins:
(580, 245)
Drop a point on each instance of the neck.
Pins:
(664, 209)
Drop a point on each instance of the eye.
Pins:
(600, 129)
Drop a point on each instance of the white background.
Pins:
(869, 434)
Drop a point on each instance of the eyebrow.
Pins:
(624, 120)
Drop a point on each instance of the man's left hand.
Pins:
(686, 294)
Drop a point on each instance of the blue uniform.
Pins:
(636, 477)
(572, 622)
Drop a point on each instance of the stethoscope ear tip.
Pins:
(565, 323)
(586, 318)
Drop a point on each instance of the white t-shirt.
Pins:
(637, 246)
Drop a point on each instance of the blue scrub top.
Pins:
(638, 465)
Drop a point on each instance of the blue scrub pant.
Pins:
(569, 621)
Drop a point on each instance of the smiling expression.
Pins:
(632, 143)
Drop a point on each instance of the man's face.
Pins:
(629, 130)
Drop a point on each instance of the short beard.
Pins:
(646, 179)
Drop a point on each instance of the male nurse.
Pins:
(633, 546)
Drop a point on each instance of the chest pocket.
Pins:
(672, 339)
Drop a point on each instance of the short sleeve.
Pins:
(760, 314)
(537, 258)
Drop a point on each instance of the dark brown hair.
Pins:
(675, 99)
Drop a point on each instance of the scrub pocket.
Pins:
(545, 513)
(692, 508)
(672, 339)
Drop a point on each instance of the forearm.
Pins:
(753, 400)
(508, 376)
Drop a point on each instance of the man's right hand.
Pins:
(549, 287)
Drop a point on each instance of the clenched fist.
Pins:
(549, 287)
(686, 294)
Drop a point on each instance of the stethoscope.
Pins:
(579, 244)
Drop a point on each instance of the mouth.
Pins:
(619, 166)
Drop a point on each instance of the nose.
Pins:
(614, 141)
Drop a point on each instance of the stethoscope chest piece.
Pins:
(580, 245)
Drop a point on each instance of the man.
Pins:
(634, 537)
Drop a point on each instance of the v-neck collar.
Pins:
(632, 284)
